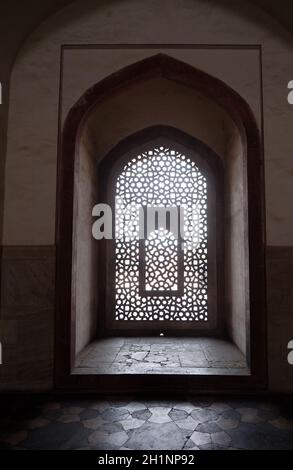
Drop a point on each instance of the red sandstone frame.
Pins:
(174, 70)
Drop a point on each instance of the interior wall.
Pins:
(85, 273)
(31, 158)
(236, 243)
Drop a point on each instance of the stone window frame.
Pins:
(160, 65)
(211, 165)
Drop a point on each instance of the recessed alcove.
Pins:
(161, 109)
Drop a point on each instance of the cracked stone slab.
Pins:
(123, 357)
(160, 355)
(139, 356)
(155, 358)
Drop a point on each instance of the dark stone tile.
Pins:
(207, 447)
(68, 401)
(155, 403)
(19, 411)
(118, 403)
(208, 427)
(104, 446)
(177, 414)
(53, 436)
(112, 427)
(89, 414)
(242, 402)
(11, 426)
(217, 447)
(204, 415)
(78, 440)
(201, 402)
(261, 437)
(158, 437)
(286, 410)
(4, 446)
(231, 414)
(115, 414)
(81, 402)
(268, 414)
(53, 414)
(142, 414)
(188, 444)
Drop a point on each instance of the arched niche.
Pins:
(123, 104)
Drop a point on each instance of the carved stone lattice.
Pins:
(161, 261)
(161, 177)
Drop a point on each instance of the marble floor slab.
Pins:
(161, 355)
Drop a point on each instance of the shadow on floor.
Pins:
(191, 424)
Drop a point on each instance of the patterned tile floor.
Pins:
(162, 355)
(196, 423)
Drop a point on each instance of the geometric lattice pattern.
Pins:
(161, 261)
(161, 177)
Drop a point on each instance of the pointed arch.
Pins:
(164, 66)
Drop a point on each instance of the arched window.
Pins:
(163, 268)
(86, 299)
